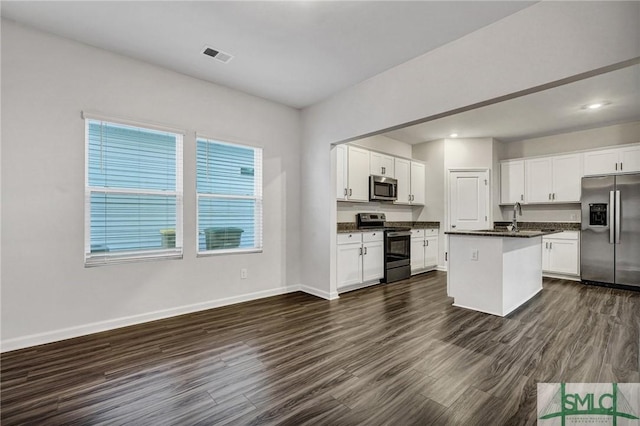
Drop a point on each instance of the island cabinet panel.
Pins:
(493, 274)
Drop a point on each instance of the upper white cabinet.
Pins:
(381, 165)
(616, 160)
(352, 168)
(418, 195)
(411, 182)
(553, 179)
(342, 185)
(512, 182)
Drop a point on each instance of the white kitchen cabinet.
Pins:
(424, 250)
(381, 164)
(512, 182)
(372, 256)
(342, 179)
(411, 182)
(418, 183)
(539, 180)
(352, 168)
(615, 160)
(553, 179)
(561, 253)
(360, 258)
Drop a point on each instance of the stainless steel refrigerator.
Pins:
(610, 238)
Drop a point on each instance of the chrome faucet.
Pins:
(516, 208)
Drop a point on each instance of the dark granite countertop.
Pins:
(522, 233)
(347, 227)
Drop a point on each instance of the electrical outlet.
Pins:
(474, 254)
(243, 273)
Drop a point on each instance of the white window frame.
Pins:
(106, 258)
(258, 213)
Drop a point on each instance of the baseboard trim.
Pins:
(318, 293)
(96, 327)
(561, 276)
(441, 268)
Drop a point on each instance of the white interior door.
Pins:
(468, 200)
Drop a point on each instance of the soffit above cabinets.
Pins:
(552, 111)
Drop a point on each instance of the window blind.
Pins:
(133, 193)
(229, 192)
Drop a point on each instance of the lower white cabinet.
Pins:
(424, 250)
(360, 258)
(561, 253)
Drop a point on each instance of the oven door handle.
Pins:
(399, 234)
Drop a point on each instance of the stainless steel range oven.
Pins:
(397, 254)
(397, 246)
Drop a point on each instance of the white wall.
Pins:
(385, 144)
(47, 294)
(510, 55)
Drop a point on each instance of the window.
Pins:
(133, 193)
(229, 188)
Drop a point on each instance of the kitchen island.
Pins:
(494, 271)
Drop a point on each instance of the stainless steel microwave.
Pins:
(383, 188)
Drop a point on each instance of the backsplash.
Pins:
(543, 213)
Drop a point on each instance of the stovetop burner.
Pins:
(375, 221)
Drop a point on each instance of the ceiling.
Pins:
(293, 52)
(552, 111)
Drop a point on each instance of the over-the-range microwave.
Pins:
(383, 188)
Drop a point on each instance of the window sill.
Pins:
(226, 252)
(116, 259)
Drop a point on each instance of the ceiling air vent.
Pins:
(217, 55)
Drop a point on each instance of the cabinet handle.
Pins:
(553, 196)
(616, 166)
(409, 197)
(345, 192)
(621, 166)
(365, 250)
(546, 245)
(550, 245)
(427, 241)
(521, 197)
(549, 195)
(360, 251)
(350, 191)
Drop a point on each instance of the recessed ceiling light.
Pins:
(453, 135)
(595, 105)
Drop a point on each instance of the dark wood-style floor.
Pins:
(394, 354)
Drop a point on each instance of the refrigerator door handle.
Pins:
(618, 217)
(611, 218)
